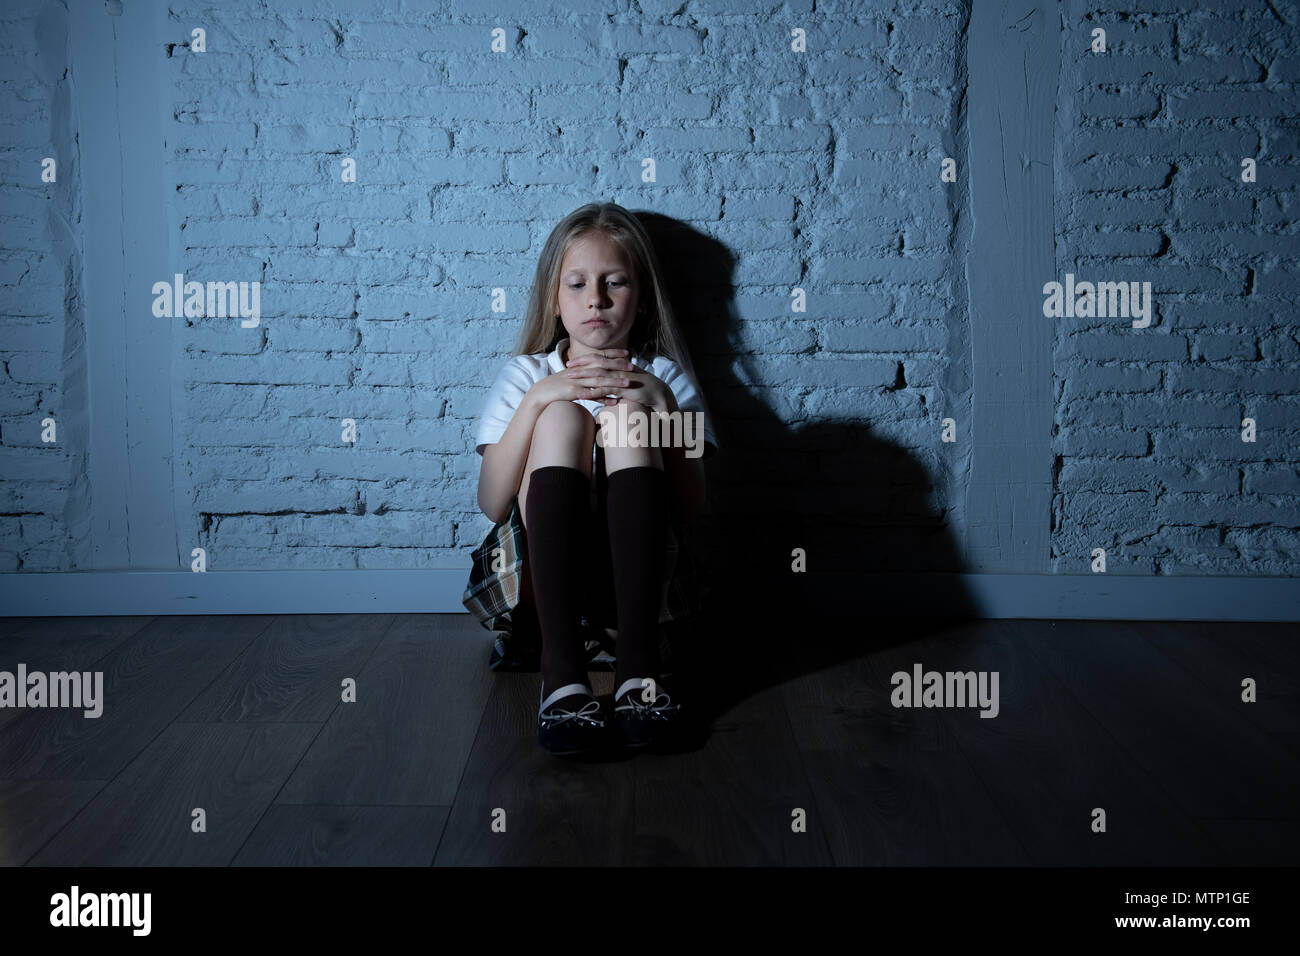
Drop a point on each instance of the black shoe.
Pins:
(563, 732)
(645, 725)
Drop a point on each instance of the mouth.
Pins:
(595, 322)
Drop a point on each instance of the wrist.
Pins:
(531, 401)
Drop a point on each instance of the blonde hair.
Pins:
(655, 331)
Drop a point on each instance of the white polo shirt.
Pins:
(522, 371)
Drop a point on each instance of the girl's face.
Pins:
(599, 296)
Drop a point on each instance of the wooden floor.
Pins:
(242, 717)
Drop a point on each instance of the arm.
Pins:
(502, 470)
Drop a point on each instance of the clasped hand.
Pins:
(610, 378)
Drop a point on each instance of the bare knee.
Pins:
(620, 452)
(611, 417)
(564, 421)
(563, 435)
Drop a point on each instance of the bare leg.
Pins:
(563, 435)
(617, 453)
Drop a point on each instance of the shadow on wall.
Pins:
(855, 502)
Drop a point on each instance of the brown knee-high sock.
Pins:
(637, 503)
(559, 507)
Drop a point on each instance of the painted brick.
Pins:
(794, 169)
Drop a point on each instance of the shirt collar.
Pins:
(553, 361)
(556, 363)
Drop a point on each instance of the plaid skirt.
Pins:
(496, 581)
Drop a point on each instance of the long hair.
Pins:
(654, 332)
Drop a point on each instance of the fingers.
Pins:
(606, 394)
(579, 364)
(596, 376)
(605, 358)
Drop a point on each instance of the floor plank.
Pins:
(293, 672)
(149, 679)
(33, 811)
(406, 738)
(1220, 654)
(144, 817)
(1048, 763)
(1203, 751)
(893, 783)
(12, 625)
(344, 836)
(1257, 842)
(1288, 742)
(63, 644)
(242, 715)
(557, 812)
(734, 801)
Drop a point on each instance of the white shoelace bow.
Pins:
(641, 708)
(585, 712)
(559, 715)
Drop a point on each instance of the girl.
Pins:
(598, 334)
